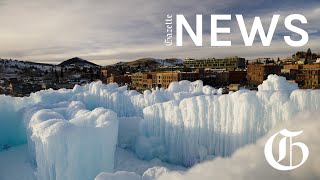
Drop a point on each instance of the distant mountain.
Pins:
(15, 64)
(78, 62)
(151, 62)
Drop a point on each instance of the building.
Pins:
(228, 63)
(311, 78)
(165, 78)
(147, 81)
(136, 79)
(257, 73)
(237, 77)
(311, 66)
(109, 71)
(234, 87)
(190, 76)
(121, 80)
(143, 81)
(22, 89)
(288, 67)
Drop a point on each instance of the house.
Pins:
(234, 87)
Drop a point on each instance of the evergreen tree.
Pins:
(98, 75)
(57, 75)
(61, 73)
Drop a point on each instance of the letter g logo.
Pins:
(282, 150)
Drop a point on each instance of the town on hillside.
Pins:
(20, 78)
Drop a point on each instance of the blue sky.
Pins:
(109, 31)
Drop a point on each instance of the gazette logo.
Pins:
(288, 135)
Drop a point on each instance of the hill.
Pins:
(16, 65)
(78, 62)
(151, 62)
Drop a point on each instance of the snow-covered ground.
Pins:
(15, 164)
(72, 134)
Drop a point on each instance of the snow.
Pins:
(276, 83)
(185, 132)
(128, 131)
(122, 101)
(131, 103)
(14, 164)
(72, 134)
(127, 160)
(150, 174)
(71, 142)
(23, 64)
(120, 175)
(249, 162)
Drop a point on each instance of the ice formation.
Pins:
(249, 162)
(128, 131)
(72, 134)
(131, 103)
(50, 116)
(186, 132)
(277, 83)
(70, 142)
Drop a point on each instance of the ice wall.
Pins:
(70, 142)
(11, 127)
(128, 131)
(12, 130)
(249, 162)
(184, 124)
(200, 127)
(124, 102)
(131, 103)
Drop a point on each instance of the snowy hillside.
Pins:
(152, 62)
(15, 64)
(108, 132)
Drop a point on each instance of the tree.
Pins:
(98, 75)
(57, 75)
(61, 73)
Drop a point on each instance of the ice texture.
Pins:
(249, 162)
(128, 131)
(12, 129)
(72, 134)
(278, 83)
(186, 132)
(128, 103)
(120, 175)
(150, 174)
(70, 142)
